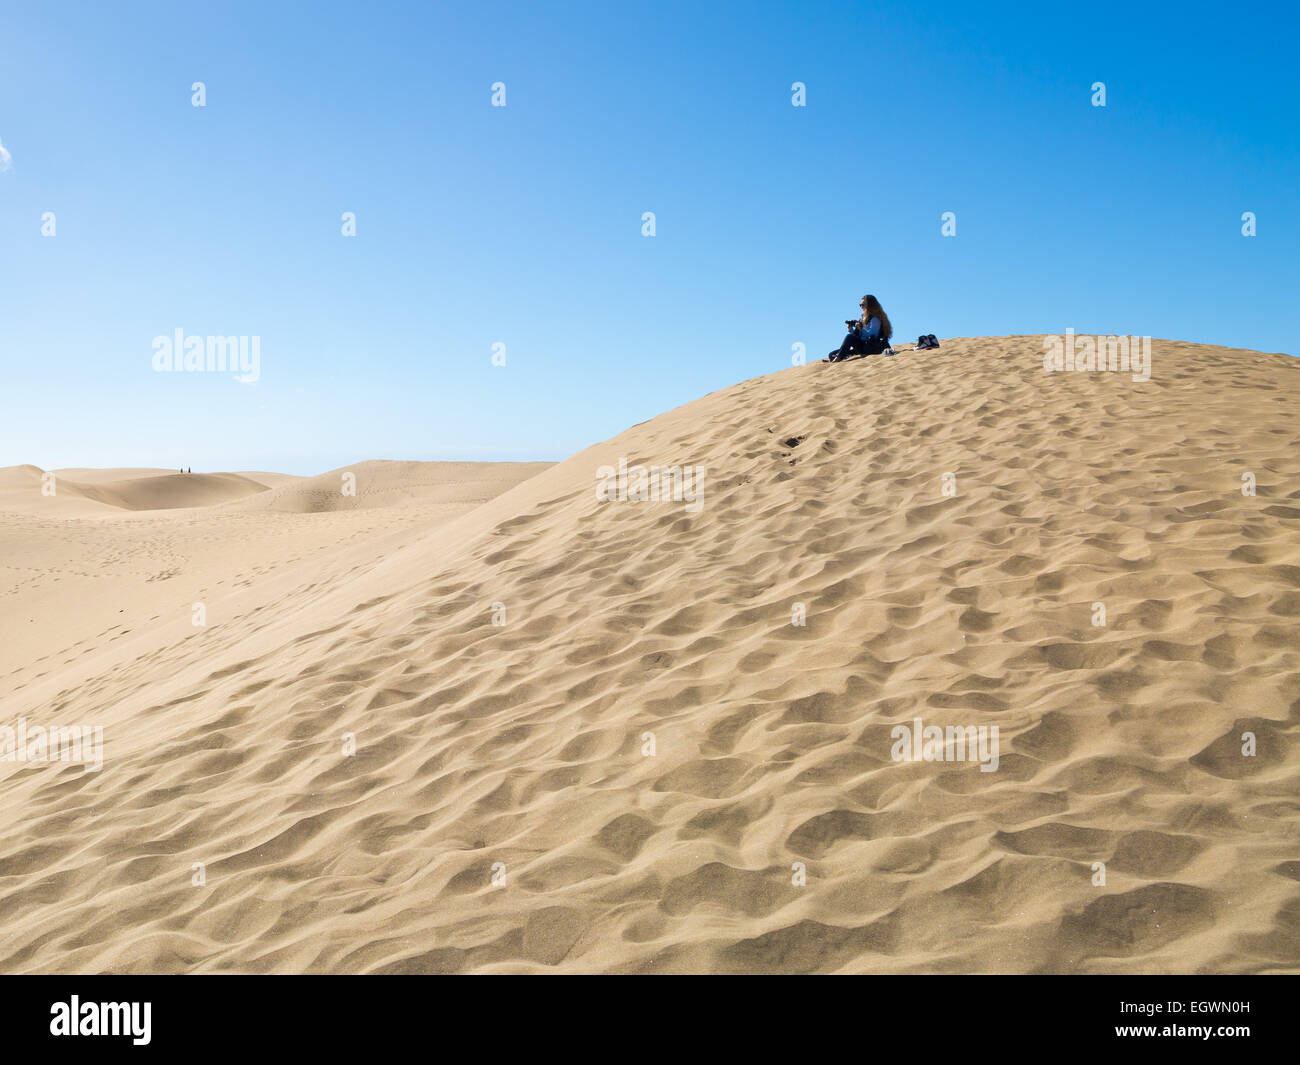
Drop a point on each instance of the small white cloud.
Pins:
(6, 160)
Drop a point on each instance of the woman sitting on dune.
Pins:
(867, 336)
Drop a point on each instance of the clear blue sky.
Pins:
(522, 225)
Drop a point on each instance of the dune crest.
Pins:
(555, 733)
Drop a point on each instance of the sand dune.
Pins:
(457, 486)
(171, 491)
(89, 574)
(593, 735)
(92, 493)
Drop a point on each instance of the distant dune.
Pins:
(144, 542)
(485, 720)
(458, 486)
(91, 493)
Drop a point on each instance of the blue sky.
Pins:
(521, 225)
